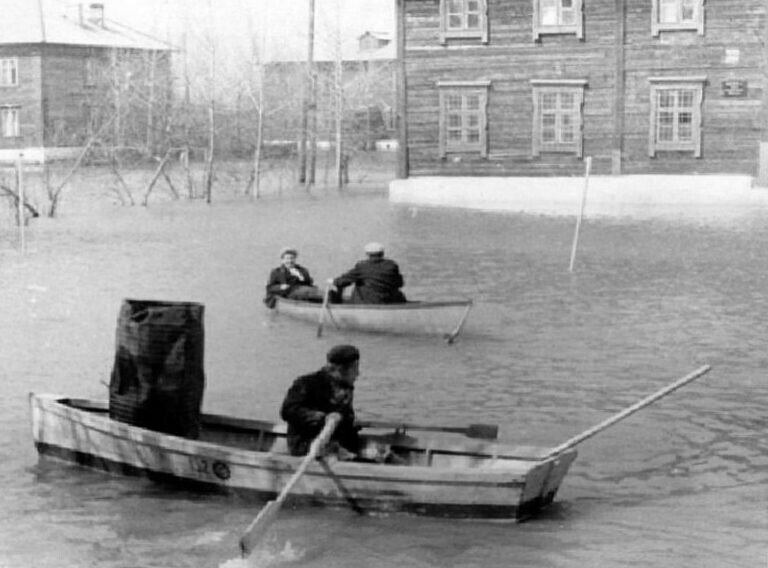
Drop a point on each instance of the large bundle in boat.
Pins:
(158, 377)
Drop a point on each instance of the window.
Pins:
(9, 122)
(463, 120)
(677, 15)
(557, 17)
(463, 19)
(676, 114)
(557, 116)
(9, 72)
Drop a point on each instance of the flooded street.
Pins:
(546, 354)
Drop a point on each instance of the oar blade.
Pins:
(258, 528)
(483, 431)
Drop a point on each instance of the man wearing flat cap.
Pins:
(291, 280)
(376, 280)
(312, 397)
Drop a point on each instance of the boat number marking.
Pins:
(206, 467)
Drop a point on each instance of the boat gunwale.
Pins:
(90, 408)
(408, 306)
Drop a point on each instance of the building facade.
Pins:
(532, 87)
(66, 78)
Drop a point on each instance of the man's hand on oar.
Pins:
(258, 527)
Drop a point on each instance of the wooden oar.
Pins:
(451, 336)
(626, 412)
(483, 431)
(323, 310)
(259, 525)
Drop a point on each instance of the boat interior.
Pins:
(386, 445)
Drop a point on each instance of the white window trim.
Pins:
(17, 122)
(657, 27)
(446, 34)
(665, 83)
(15, 64)
(577, 28)
(481, 87)
(576, 86)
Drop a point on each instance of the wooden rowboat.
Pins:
(453, 477)
(441, 318)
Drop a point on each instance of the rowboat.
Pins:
(448, 476)
(442, 318)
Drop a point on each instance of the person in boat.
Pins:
(291, 280)
(376, 280)
(311, 397)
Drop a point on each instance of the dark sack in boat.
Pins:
(158, 378)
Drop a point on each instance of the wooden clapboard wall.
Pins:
(617, 56)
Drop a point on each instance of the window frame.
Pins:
(464, 88)
(660, 84)
(697, 23)
(9, 66)
(447, 33)
(576, 28)
(12, 110)
(574, 87)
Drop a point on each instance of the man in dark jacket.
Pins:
(290, 280)
(311, 397)
(377, 280)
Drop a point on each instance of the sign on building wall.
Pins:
(734, 88)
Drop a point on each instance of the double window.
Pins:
(557, 116)
(675, 123)
(677, 15)
(460, 19)
(463, 118)
(9, 121)
(9, 72)
(557, 17)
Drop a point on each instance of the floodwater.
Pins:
(546, 354)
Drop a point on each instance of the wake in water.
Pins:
(266, 556)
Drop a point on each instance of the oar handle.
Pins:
(627, 411)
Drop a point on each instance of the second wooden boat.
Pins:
(429, 318)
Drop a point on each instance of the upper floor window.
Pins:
(557, 116)
(464, 19)
(463, 118)
(677, 15)
(557, 17)
(9, 72)
(676, 114)
(9, 122)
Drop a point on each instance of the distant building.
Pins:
(65, 78)
(369, 85)
(530, 88)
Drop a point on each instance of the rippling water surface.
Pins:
(546, 354)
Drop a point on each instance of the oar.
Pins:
(323, 310)
(259, 525)
(626, 412)
(483, 431)
(451, 336)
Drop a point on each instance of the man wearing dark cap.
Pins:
(377, 279)
(311, 397)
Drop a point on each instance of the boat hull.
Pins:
(427, 318)
(230, 458)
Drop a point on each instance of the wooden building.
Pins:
(66, 77)
(532, 87)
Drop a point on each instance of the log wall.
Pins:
(617, 56)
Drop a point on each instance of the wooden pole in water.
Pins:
(20, 181)
(581, 214)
